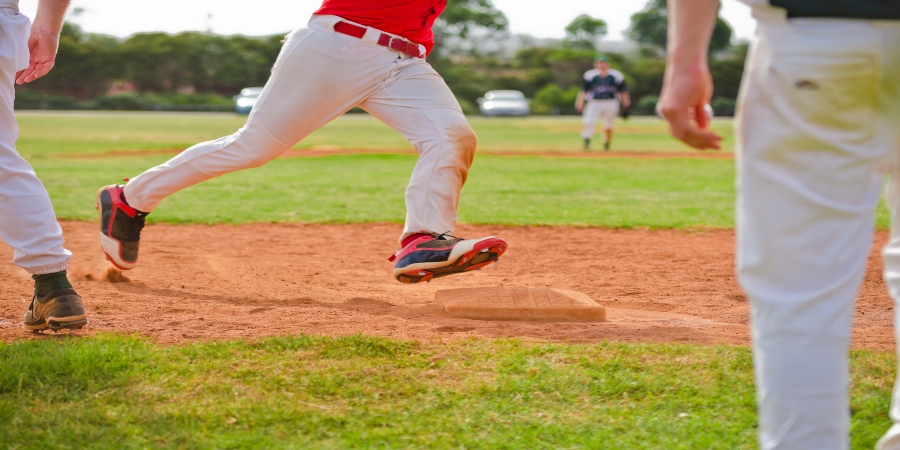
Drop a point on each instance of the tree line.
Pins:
(194, 70)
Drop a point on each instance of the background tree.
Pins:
(463, 18)
(649, 29)
(584, 32)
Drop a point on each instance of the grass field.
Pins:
(67, 151)
(369, 392)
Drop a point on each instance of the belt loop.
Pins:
(371, 37)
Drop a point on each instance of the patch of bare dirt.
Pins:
(225, 282)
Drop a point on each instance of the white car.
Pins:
(504, 103)
(246, 100)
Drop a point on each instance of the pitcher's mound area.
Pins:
(520, 303)
(200, 282)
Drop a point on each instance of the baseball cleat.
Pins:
(61, 308)
(433, 257)
(120, 227)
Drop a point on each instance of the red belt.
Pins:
(396, 44)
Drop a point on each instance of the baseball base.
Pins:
(520, 303)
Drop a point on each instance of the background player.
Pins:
(602, 89)
(352, 53)
(816, 131)
(27, 221)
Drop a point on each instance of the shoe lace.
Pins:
(444, 236)
(132, 228)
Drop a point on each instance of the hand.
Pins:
(43, 47)
(686, 90)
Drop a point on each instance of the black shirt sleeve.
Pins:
(623, 86)
(587, 85)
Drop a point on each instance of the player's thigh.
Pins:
(418, 104)
(592, 112)
(610, 111)
(317, 77)
(810, 150)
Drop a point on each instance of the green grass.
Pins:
(362, 392)
(355, 188)
(46, 134)
(360, 188)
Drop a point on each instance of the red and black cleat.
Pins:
(120, 227)
(430, 257)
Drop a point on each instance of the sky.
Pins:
(123, 18)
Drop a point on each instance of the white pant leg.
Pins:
(318, 76)
(596, 109)
(609, 110)
(891, 253)
(810, 142)
(417, 103)
(27, 221)
(589, 117)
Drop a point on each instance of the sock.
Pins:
(412, 237)
(47, 282)
(125, 200)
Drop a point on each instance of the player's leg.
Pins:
(589, 118)
(27, 221)
(318, 76)
(808, 186)
(891, 253)
(417, 103)
(610, 111)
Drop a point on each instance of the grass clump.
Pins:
(364, 392)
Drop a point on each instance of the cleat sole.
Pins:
(484, 254)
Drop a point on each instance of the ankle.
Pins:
(45, 283)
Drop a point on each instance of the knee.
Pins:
(256, 147)
(464, 141)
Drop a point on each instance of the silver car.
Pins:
(504, 103)
(246, 100)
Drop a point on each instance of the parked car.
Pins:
(504, 103)
(246, 100)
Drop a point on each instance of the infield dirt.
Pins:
(225, 282)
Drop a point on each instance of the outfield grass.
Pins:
(47, 134)
(363, 392)
(360, 188)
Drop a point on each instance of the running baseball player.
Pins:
(351, 53)
(816, 133)
(27, 221)
(602, 89)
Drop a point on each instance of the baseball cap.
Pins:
(601, 58)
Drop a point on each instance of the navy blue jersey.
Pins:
(599, 87)
(841, 9)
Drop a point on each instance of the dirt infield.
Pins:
(222, 282)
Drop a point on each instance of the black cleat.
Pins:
(61, 308)
(120, 227)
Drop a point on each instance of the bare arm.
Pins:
(579, 102)
(687, 86)
(44, 40)
(626, 99)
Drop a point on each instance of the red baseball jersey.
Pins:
(411, 19)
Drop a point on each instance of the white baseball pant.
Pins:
(319, 75)
(27, 221)
(817, 131)
(594, 110)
